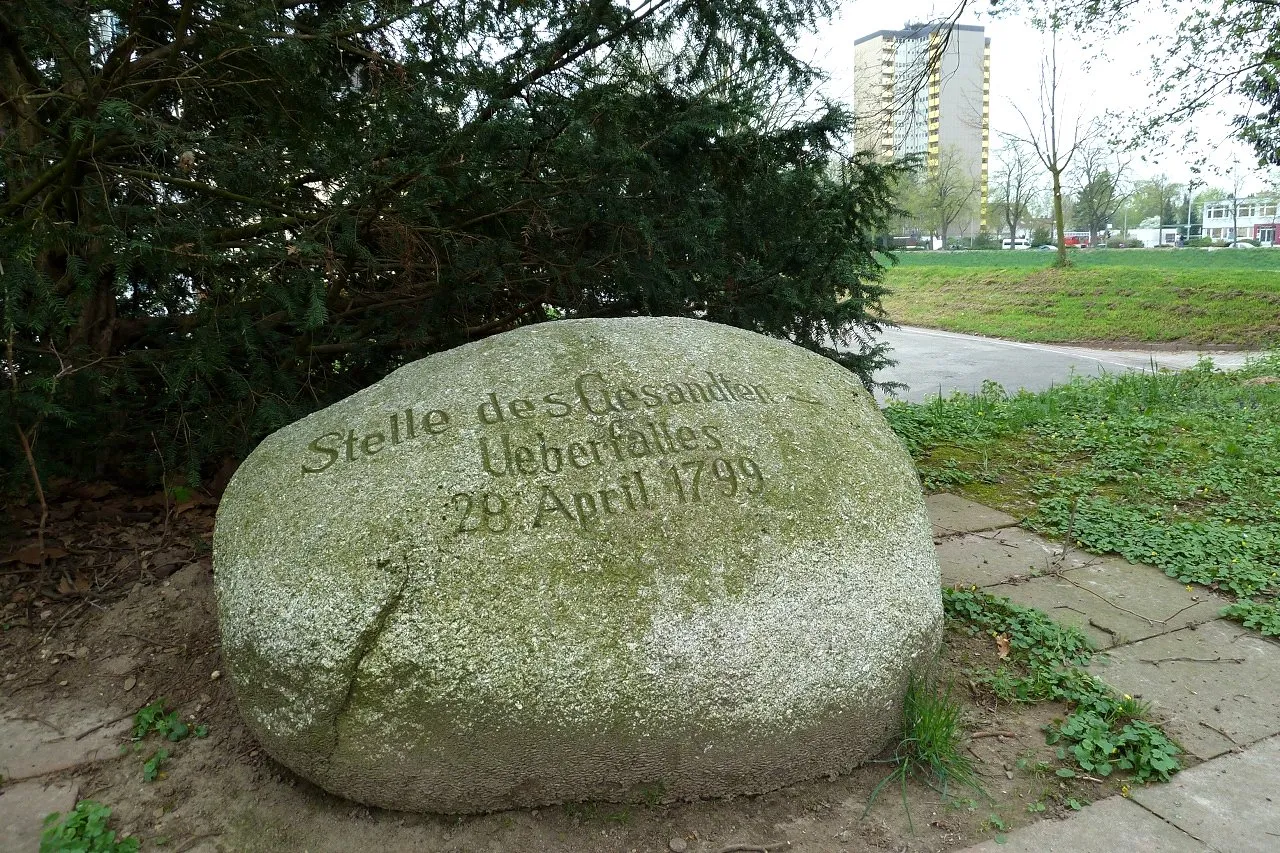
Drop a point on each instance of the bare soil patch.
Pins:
(123, 614)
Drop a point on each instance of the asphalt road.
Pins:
(932, 363)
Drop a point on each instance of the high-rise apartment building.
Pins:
(926, 90)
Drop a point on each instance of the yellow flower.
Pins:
(1189, 585)
(1124, 790)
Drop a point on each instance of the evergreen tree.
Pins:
(218, 215)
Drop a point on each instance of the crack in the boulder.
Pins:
(364, 645)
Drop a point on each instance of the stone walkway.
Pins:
(1216, 683)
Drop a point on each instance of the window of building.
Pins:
(1218, 211)
(1266, 209)
(1244, 210)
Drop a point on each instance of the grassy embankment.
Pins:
(1150, 296)
(1177, 470)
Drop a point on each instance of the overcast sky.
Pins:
(1111, 74)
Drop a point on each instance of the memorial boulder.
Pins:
(597, 559)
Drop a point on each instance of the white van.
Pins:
(1018, 243)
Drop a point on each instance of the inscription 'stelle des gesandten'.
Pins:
(584, 560)
(655, 435)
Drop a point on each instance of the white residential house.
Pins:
(1152, 233)
(1253, 218)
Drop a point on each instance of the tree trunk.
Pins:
(1058, 218)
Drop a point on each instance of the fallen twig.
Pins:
(977, 735)
(147, 640)
(35, 719)
(1219, 731)
(87, 732)
(1146, 619)
(193, 840)
(1158, 661)
(58, 621)
(756, 848)
(1104, 629)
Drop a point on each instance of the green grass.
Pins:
(1188, 296)
(932, 744)
(1177, 470)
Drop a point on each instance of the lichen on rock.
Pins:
(583, 560)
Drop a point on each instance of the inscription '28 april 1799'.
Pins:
(694, 482)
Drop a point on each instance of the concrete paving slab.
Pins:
(1108, 826)
(953, 514)
(31, 747)
(1218, 684)
(991, 558)
(1116, 602)
(1231, 803)
(23, 807)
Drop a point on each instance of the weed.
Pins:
(968, 804)
(151, 767)
(1036, 767)
(83, 830)
(1261, 616)
(1098, 747)
(155, 718)
(1105, 731)
(930, 749)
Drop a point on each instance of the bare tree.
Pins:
(944, 193)
(1014, 184)
(1048, 137)
(1098, 187)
